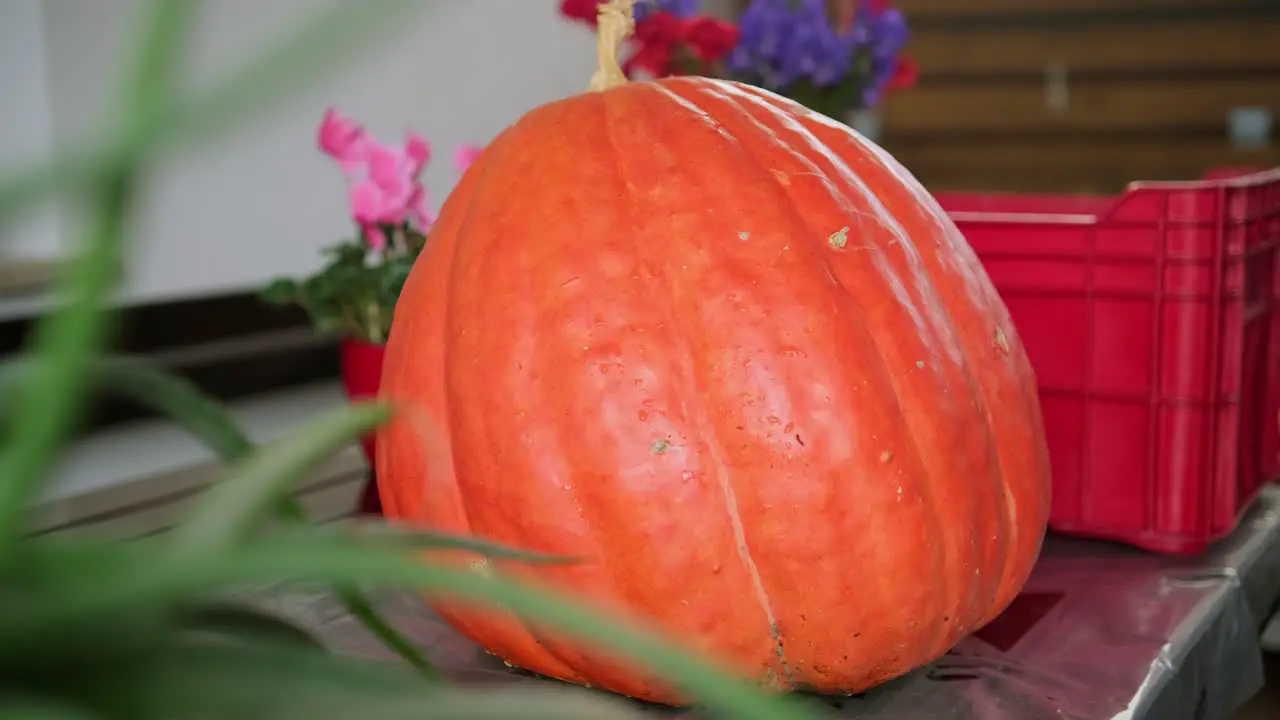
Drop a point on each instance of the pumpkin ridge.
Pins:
(796, 121)
(1007, 510)
(724, 90)
(1015, 565)
(568, 657)
(695, 408)
(1010, 510)
(558, 664)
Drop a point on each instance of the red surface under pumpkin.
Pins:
(733, 354)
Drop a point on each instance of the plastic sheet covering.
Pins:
(1101, 632)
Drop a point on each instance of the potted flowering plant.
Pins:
(353, 296)
(838, 57)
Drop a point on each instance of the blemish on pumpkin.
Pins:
(660, 446)
(799, 440)
(781, 177)
(1002, 342)
(743, 235)
(481, 567)
(920, 364)
(886, 456)
(839, 238)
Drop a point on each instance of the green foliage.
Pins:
(136, 630)
(354, 295)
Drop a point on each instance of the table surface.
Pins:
(1101, 631)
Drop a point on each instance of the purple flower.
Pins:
(784, 41)
(888, 34)
(678, 8)
(816, 51)
(763, 29)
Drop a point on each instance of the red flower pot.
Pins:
(361, 376)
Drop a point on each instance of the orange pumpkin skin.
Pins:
(735, 356)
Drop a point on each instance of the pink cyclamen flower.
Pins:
(418, 150)
(391, 193)
(384, 182)
(465, 155)
(343, 139)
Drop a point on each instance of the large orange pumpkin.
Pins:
(735, 356)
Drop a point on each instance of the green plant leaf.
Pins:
(180, 400)
(67, 341)
(412, 539)
(150, 85)
(367, 615)
(717, 690)
(280, 292)
(315, 557)
(152, 387)
(64, 346)
(233, 508)
(199, 678)
(37, 708)
(219, 681)
(243, 623)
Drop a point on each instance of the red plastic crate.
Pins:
(1150, 318)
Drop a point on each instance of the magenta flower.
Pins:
(464, 156)
(385, 189)
(384, 182)
(390, 192)
(343, 139)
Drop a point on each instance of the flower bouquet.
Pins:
(833, 57)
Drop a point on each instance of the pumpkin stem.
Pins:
(614, 22)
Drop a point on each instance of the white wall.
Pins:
(262, 201)
(26, 117)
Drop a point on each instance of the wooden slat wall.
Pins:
(1149, 85)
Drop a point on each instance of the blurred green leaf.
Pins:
(37, 708)
(239, 622)
(715, 689)
(284, 683)
(172, 396)
(304, 556)
(367, 615)
(179, 399)
(64, 345)
(233, 508)
(392, 536)
(67, 341)
(150, 86)
(280, 292)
